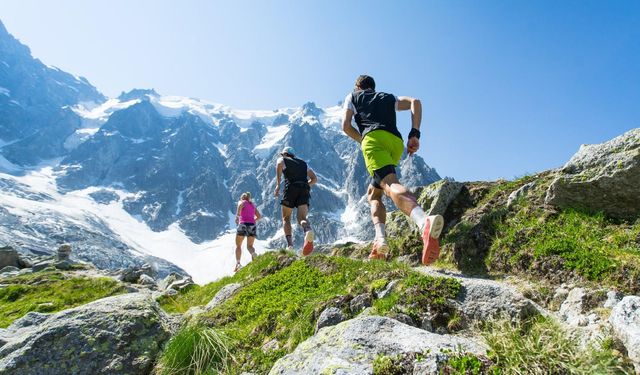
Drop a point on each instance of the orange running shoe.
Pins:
(431, 245)
(308, 243)
(379, 250)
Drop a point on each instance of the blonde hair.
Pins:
(245, 196)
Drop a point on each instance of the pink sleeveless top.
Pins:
(247, 213)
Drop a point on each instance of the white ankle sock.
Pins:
(418, 216)
(379, 230)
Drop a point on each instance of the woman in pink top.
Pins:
(246, 216)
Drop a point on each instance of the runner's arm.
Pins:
(258, 215)
(278, 176)
(238, 212)
(406, 103)
(413, 104)
(348, 128)
(312, 177)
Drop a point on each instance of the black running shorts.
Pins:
(246, 230)
(295, 195)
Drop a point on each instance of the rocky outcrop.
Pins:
(351, 347)
(602, 177)
(625, 321)
(439, 195)
(114, 335)
(482, 299)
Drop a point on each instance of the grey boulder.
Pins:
(625, 322)
(352, 346)
(44, 264)
(9, 269)
(115, 335)
(9, 257)
(482, 299)
(147, 280)
(64, 252)
(360, 302)
(330, 317)
(602, 177)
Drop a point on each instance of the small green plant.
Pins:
(378, 285)
(464, 364)
(387, 365)
(196, 350)
(455, 323)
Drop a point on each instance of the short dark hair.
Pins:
(365, 82)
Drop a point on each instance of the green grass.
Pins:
(590, 245)
(50, 291)
(540, 346)
(196, 350)
(283, 303)
(197, 295)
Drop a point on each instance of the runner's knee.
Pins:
(374, 194)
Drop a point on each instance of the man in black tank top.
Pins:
(382, 147)
(298, 179)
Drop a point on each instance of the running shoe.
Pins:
(237, 267)
(431, 245)
(379, 250)
(308, 242)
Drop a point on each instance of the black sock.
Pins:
(289, 240)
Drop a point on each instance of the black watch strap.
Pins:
(414, 133)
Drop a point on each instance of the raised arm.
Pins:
(413, 104)
(312, 177)
(348, 128)
(279, 167)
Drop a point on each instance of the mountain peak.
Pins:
(310, 109)
(142, 94)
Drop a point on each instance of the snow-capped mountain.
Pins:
(151, 175)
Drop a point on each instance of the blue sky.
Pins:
(508, 87)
